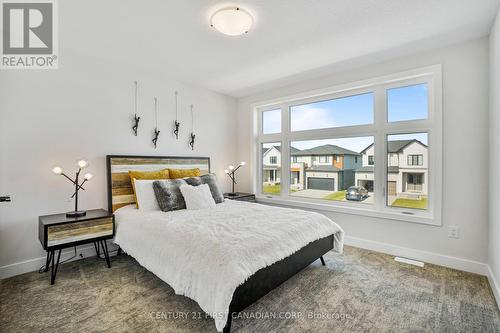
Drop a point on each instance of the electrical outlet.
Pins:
(453, 231)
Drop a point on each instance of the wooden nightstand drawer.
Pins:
(78, 231)
(58, 231)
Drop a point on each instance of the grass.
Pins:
(337, 196)
(410, 203)
(271, 189)
(274, 189)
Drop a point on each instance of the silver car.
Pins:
(356, 193)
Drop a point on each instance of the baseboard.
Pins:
(32, 265)
(495, 286)
(428, 257)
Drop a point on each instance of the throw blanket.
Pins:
(206, 254)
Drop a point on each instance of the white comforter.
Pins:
(206, 254)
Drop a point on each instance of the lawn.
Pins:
(410, 203)
(271, 189)
(274, 189)
(337, 196)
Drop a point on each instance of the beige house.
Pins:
(407, 173)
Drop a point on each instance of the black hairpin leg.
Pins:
(322, 260)
(106, 253)
(54, 267)
(47, 261)
(97, 249)
(227, 328)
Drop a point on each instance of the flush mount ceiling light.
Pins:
(232, 21)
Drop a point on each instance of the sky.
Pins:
(404, 103)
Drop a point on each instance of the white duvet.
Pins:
(206, 254)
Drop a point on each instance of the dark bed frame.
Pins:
(265, 279)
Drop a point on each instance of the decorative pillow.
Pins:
(183, 173)
(169, 195)
(150, 175)
(145, 195)
(197, 197)
(211, 181)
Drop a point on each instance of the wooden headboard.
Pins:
(120, 191)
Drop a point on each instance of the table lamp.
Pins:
(82, 164)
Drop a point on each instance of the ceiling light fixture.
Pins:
(232, 21)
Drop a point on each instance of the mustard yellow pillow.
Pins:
(183, 173)
(149, 175)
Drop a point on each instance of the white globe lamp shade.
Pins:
(232, 21)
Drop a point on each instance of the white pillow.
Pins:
(145, 194)
(197, 197)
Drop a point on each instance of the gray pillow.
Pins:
(169, 195)
(211, 181)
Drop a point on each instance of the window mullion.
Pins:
(380, 168)
(285, 150)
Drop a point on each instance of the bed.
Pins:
(225, 258)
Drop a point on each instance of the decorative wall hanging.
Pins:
(177, 123)
(156, 132)
(136, 118)
(191, 141)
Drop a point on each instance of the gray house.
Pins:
(327, 167)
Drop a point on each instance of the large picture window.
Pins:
(372, 149)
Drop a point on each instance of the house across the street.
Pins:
(407, 162)
(333, 168)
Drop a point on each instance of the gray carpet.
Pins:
(359, 291)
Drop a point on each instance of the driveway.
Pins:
(316, 194)
(320, 194)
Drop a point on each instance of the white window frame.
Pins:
(379, 130)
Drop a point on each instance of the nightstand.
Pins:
(57, 232)
(240, 196)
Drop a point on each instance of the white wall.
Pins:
(494, 231)
(465, 118)
(83, 109)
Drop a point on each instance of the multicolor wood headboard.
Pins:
(120, 191)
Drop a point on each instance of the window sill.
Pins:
(398, 216)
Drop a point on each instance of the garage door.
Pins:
(327, 184)
(391, 188)
(368, 184)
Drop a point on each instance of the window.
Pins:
(271, 168)
(372, 148)
(331, 182)
(271, 121)
(323, 159)
(415, 160)
(406, 186)
(338, 112)
(407, 103)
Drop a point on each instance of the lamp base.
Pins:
(78, 213)
(232, 194)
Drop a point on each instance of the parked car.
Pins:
(356, 193)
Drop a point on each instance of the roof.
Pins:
(323, 150)
(369, 168)
(396, 146)
(323, 168)
(320, 150)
